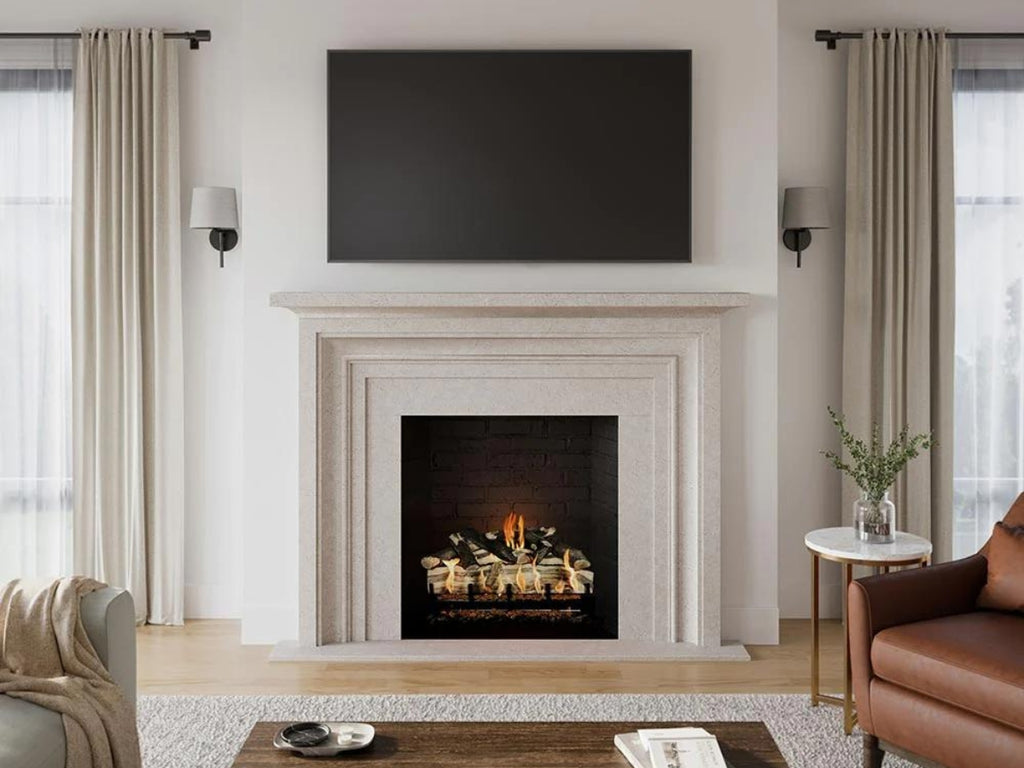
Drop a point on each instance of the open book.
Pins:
(671, 748)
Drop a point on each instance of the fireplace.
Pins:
(519, 369)
(509, 527)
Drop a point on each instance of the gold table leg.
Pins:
(849, 716)
(815, 631)
(846, 700)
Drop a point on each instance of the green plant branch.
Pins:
(872, 467)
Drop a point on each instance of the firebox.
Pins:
(509, 527)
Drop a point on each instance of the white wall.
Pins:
(812, 119)
(284, 227)
(253, 116)
(210, 154)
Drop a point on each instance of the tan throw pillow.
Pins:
(1004, 590)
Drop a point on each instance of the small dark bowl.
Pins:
(302, 735)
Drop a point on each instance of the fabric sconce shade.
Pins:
(803, 209)
(213, 208)
(216, 209)
(806, 208)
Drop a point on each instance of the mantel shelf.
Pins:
(340, 304)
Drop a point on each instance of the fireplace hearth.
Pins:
(506, 522)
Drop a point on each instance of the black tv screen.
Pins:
(509, 155)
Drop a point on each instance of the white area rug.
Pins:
(207, 731)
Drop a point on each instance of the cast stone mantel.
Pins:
(315, 304)
(366, 359)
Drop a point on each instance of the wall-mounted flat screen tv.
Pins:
(509, 155)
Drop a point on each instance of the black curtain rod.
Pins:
(194, 38)
(829, 38)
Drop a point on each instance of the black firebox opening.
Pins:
(510, 527)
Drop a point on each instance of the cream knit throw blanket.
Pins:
(46, 658)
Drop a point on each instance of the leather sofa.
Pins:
(33, 737)
(937, 680)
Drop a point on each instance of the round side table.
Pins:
(841, 545)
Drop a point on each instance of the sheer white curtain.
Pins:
(989, 389)
(35, 327)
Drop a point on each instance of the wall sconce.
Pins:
(215, 209)
(803, 209)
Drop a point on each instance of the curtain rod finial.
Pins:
(826, 36)
(197, 37)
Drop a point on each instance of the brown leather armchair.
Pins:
(937, 680)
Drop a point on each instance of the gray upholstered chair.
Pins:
(33, 737)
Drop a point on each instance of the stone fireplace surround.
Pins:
(367, 359)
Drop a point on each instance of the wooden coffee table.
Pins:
(508, 745)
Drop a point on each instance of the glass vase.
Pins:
(875, 521)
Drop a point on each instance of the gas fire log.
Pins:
(536, 536)
(524, 579)
(434, 560)
(489, 566)
(545, 550)
(493, 579)
(437, 579)
(487, 560)
(578, 560)
(553, 571)
(495, 546)
(467, 558)
(545, 545)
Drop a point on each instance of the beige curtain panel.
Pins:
(898, 321)
(127, 387)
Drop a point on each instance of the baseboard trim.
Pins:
(268, 623)
(750, 625)
(211, 601)
(830, 603)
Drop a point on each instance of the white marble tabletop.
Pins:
(843, 544)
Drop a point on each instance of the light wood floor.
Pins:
(206, 657)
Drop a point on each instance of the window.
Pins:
(35, 353)
(988, 451)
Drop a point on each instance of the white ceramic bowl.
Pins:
(345, 737)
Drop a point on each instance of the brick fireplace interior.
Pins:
(509, 527)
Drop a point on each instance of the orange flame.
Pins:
(574, 583)
(520, 579)
(449, 583)
(537, 586)
(513, 525)
(508, 528)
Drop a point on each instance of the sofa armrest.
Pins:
(904, 597)
(108, 616)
